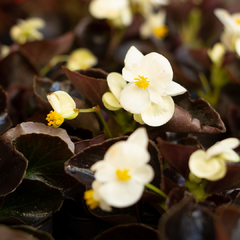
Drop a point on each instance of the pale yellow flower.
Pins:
(211, 164)
(81, 58)
(63, 105)
(27, 30)
(216, 54)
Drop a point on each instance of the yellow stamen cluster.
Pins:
(89, 198)
(123, 175)
(141, 82)
(161, 32)
(54, 119)
(238, 21)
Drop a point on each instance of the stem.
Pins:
(156, 190)
(104, 123)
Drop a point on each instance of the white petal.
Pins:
(143, 174)
(110, 101)
(230, 155)
(54, 101)
(133, 99)
(157, 68)
(116, 83)
(129, 73)
(139, 137)
(106, 173)
(212, 169)
(121, 194)
(127, 155)
(174, 89)
(222, 146)
(159, 114)
(156, 92)
(133, 56)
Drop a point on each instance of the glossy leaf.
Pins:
(13, 166)
(46, 156)
(34, 127)
(196, 116)
(91, 83)
(41, 235)
(40, 52)
(187, 220)
(31, 202)
(129, 232)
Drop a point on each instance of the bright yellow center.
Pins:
(89, 198)
(161, 32)
(141, 82)
(54, 119)
(123, 175)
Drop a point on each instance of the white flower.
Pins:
(154, 25)
(94, 199)
(81, 58)
(117, 11)
(27, 30)
(116, 83)
(124, 170)
(211, 164)
(231, 25)
(150, 87)
(63, 104)
(216, 54)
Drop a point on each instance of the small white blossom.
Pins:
(150, 87)
(211, 164)
(124, 170)
(63, 104)
(117, 11)
(27, 30)
(81, 58)
(154, 25)
(231, 25)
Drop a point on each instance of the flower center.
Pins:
(123, 175)
(90, 201)
(161, 32)
(54, 119)
(238, 21)
(141, 82)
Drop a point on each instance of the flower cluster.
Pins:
(211, 164)
(122, 174)
(144, 88)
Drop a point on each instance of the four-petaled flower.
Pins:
(27, 30)
(124, 170)
(211, 164)
(148, 93)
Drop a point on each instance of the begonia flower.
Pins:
(81, 58)
(124, 171)
(27, 30)
(150, 87)
(154, 25)
(94, 199)
(211, 164)
(118, 12)
(63, 105)
(231, 25)
(116, 83)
